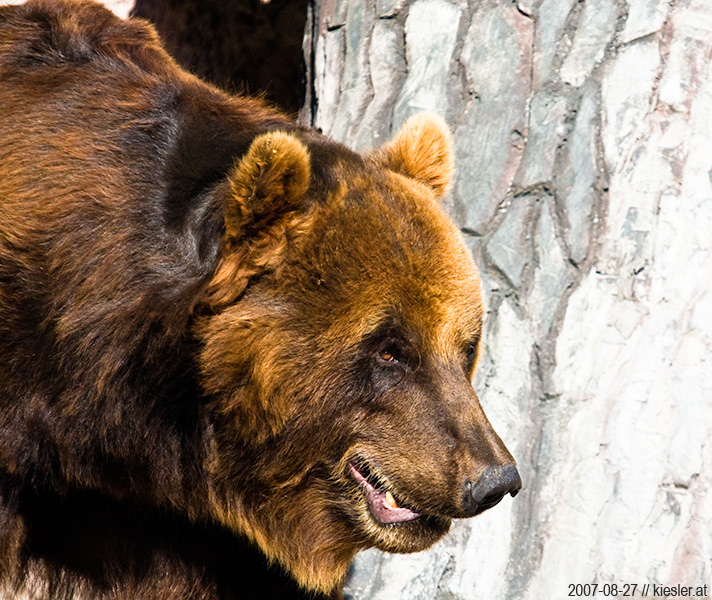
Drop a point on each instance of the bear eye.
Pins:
(471, 354)
(388, 355)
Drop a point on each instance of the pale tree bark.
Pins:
(583, 132)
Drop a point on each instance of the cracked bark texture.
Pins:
(583, 133)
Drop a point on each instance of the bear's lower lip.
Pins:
(376, 499)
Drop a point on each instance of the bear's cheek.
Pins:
(394, 480)
(377, 509)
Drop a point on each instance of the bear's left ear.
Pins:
(266, 184)
(422, 149)
(265, 191)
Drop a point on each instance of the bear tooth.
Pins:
(391, 501)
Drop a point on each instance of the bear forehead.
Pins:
(381, 247)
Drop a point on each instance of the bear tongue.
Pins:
(383, 513)
(382, 510)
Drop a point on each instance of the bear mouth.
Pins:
(383, 503)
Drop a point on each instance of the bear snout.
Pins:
(493, 485)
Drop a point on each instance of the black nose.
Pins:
(494, 484)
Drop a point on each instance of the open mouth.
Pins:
(382, 503)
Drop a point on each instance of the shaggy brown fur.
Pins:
(219, 331)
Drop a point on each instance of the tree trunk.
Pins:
(583, 132)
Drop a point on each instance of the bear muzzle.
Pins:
(493, 485)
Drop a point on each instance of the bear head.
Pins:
(344, 326)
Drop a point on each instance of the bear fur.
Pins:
(234, 352)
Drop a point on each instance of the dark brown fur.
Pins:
(206, 315)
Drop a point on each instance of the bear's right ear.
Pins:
(265, 191)
(422, 150)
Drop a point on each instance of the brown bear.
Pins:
(234, 352)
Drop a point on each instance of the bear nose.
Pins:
(494, 484)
